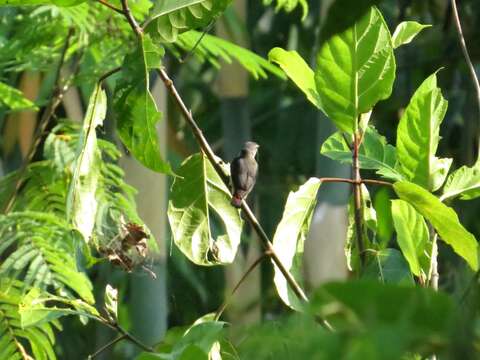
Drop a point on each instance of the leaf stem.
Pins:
(114, 8)
(463, 45)
(357, 197)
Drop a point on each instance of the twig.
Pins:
(109, 73)
(190, 52)
(353, 181)
(463, 45)
(106, 346)
(114, 8)
(133, 339)
(131, 20)
(204, 145)
(357, 195)
(434, 263)
(55, 101)
(240, 282)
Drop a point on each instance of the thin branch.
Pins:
(131, 20)
(109, 73)
(353, 181)
(463, 45)
(106, 346)
(190, 52)
(55, 101)
(434, 263)
(114, 8)
(357, 198)
(133, 339)
(204, 145)
(240, 282)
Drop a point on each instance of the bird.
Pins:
(243, 171)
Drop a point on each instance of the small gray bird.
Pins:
(243, 170)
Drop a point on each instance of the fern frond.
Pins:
(45, 254)
(212, 49)
(17, 342)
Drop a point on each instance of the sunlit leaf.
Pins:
(443, 218)
(298, 71)
(463, 182)
(198, 200)
(289, 238)
(405, 32)
(289, 6)
(14, 99)
(355, 70)
(418, 137)
(111, 302)
(412, 237)
(374, 153)
(81, 201)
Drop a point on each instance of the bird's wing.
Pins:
(239, 168)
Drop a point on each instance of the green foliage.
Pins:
(198, 198)
(39, 2)
(443, 219)
(390, 267)
(170, 18)
(355, 69)
(463, 182)
(406, 32)
(213, 48)
(298, 71)
(374, 153)
(289, 6)
(412, 237)
(13, 335)
(135, 107)
(14, 99)
(290, 237)
(418, 137)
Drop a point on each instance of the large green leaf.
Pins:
(412, 237)
(14, 99)
(135, 107)
(388, 266)
(355, 69)
(443, 218)
(375, 153)
(464, 182)
(81, 201)
(213, 48)
(169, 18)
(418, 137)
(405, 32)
(199, 200)
(298, 71)
(290, 236)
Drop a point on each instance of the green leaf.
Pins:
(82, 201)
(290, 236)
(12, 334)
(418, 137)
(412, 237)
(289, 6)
(464, 181)
(389, 266)
(405, 32)
(135, 107)
(199, 200)
(374, 153)
(213, 48)
(34, 311)
(169, 18)
(298, 71)
(355, 70)
(40, 2)
(381, 204)
(443, 218)
(14, 99)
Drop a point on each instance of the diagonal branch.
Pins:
(463, 45)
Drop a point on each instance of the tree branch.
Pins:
(131, 20)
(107, 4)
(463, 45)
(106, 346)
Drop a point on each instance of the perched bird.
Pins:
(243, 170)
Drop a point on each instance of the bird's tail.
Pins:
(236, 201)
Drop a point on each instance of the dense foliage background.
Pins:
(90, 170)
